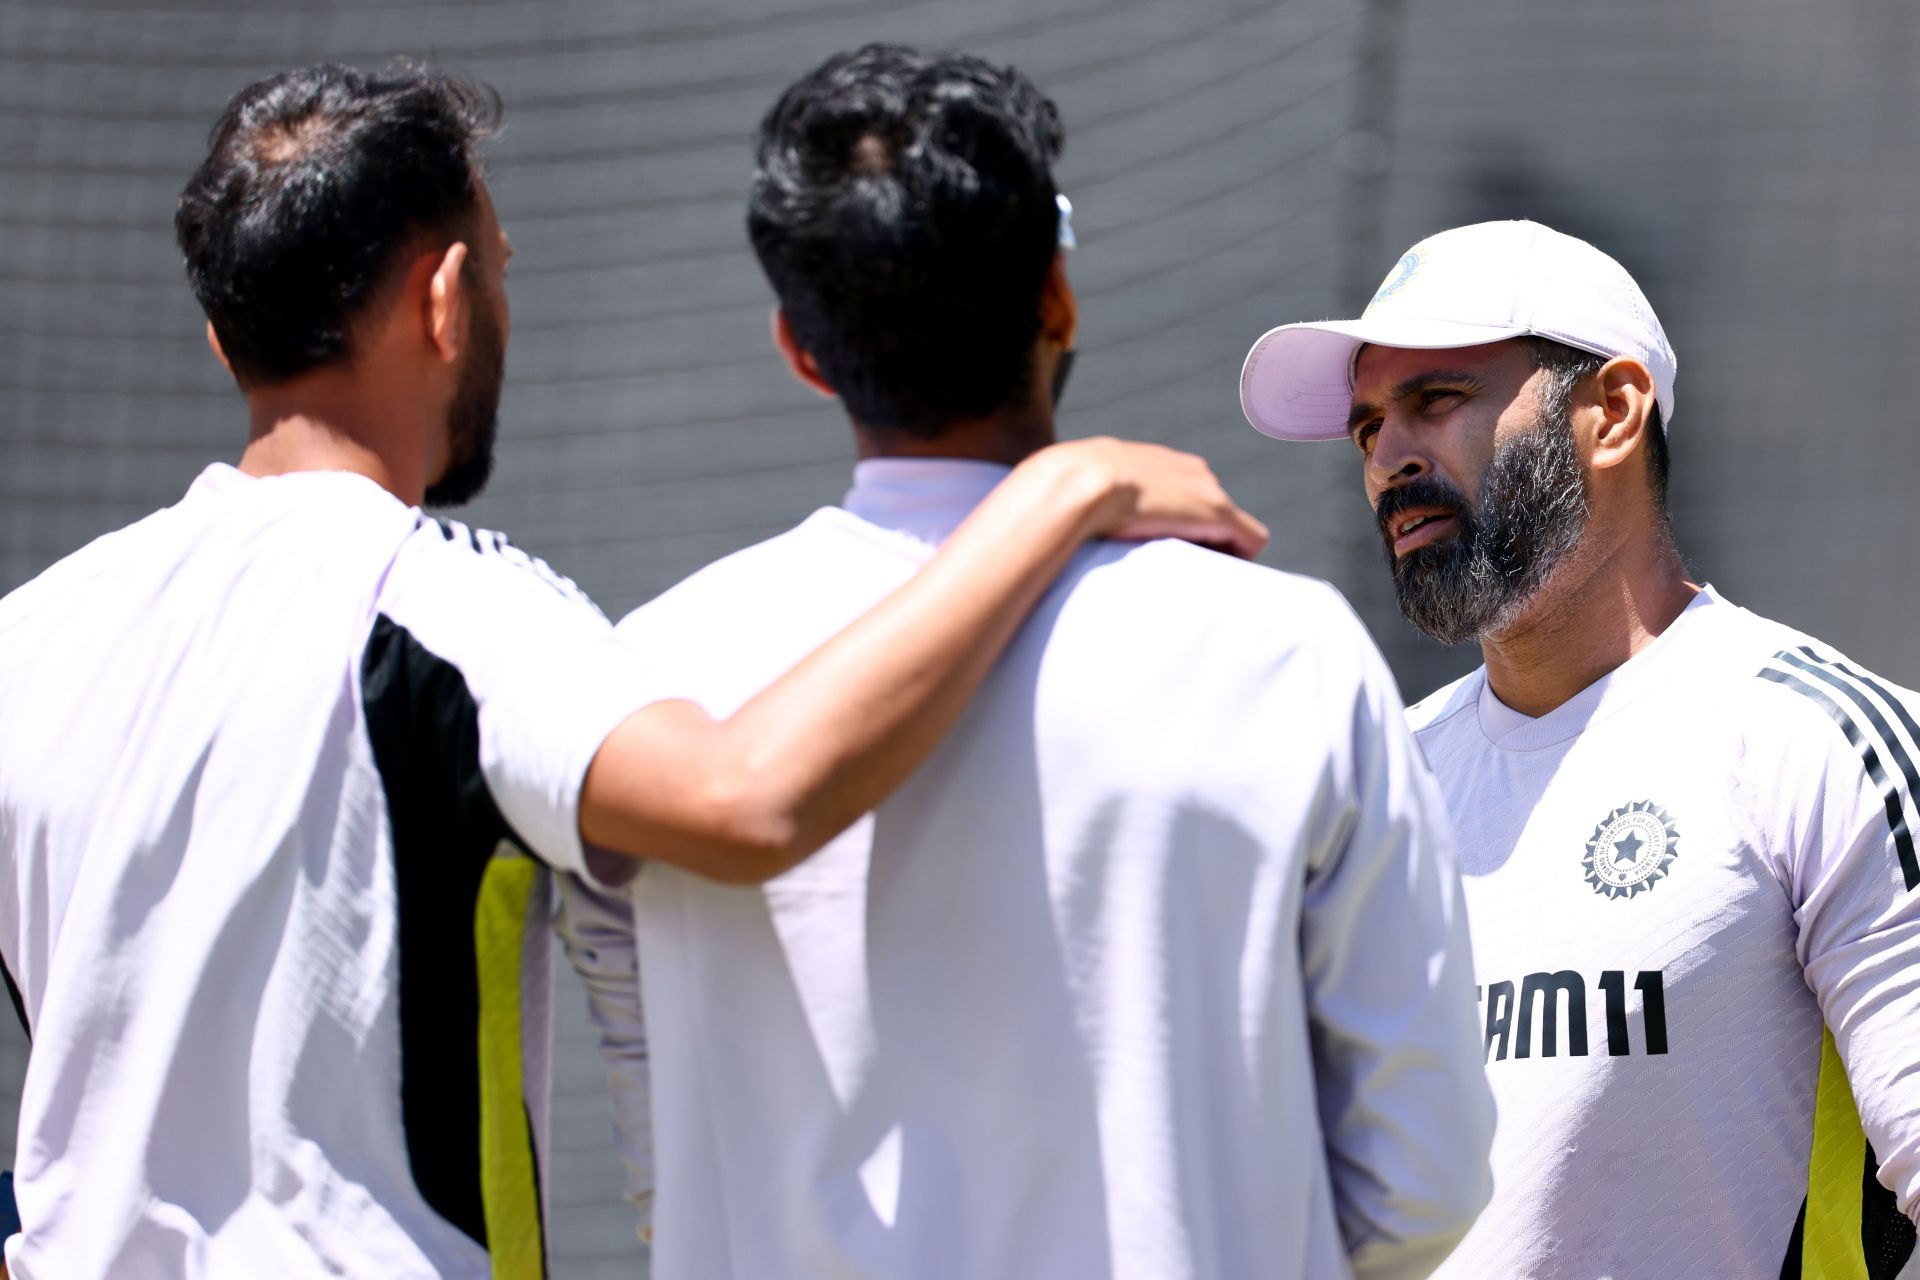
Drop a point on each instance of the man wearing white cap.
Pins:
(1686, 831)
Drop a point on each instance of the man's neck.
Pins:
(1007, 439)
(1591, 617)
(312, 424)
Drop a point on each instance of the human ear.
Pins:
(1623, 389)
(1059, 309)
(446, 301)
(798, 358)
(219, 352)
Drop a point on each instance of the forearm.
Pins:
(745, 799)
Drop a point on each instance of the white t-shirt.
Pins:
(270, 764)
(1154, 970)
(1677, 882)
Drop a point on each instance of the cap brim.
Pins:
(1297, 383)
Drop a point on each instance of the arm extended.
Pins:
(743, 799)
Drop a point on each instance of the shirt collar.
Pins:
(1508, 728)
(924, 498)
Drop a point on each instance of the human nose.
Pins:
(1396, 457)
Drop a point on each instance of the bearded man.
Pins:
(1686, 831)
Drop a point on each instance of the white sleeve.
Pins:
(597, 931)
(482, 625)
(1851, 787)
(1404, 1102)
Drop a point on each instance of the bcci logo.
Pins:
(1631, 850)
(1402, 272)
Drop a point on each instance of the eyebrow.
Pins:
(1413, 386)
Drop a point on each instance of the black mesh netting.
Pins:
(1233, 165)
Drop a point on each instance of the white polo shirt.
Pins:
(1154, 970)
(1692, 890)
(271, 764)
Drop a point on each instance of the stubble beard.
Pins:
(473, 420)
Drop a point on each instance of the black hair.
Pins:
(903, 208)
(315, 182)
(1567, 366)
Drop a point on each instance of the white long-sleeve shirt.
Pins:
(1156, 969)
(1696, 913)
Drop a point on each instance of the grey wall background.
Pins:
(1233, 166)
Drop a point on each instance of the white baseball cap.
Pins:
(1460, 288)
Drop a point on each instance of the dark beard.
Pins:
(473, 422)
(1061, 368)
(1533, 509)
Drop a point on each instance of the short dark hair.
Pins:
(314, 183)
(1567, 366)
(903, 208)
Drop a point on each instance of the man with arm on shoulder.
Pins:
(281, 765)
(1156, 968)
(1686, 831)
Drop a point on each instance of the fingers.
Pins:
(1246, 536)
(1165, 493)
(1236, 535)
(1224, 525)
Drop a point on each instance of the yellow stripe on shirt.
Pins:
(509, 1183)
(1831, 1249)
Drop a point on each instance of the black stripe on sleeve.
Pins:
(19, 1003)
(1896, 705)
(1886, 1234)
(1895, 748)
(1889, 792)
(489, 542)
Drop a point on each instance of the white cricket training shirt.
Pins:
(1692, 896)
(1154, 970)
(271, 761)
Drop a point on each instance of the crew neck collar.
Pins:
(924, 498)
(1509, 729)
(221, 478)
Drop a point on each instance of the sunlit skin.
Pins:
(384, 411)
(1443, 413)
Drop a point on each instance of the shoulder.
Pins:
(1168, 571)
(450, 564)
(1811, 693)
(1194, 610)
(1819, 737)
(757, 579)
(1446, 702)
(1175, 588)
(1779, 685)
(74, 576)
(729, 629)
(469, 596)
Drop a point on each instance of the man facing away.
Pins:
(1686, 831)
(277, 762)
(1156, 970)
